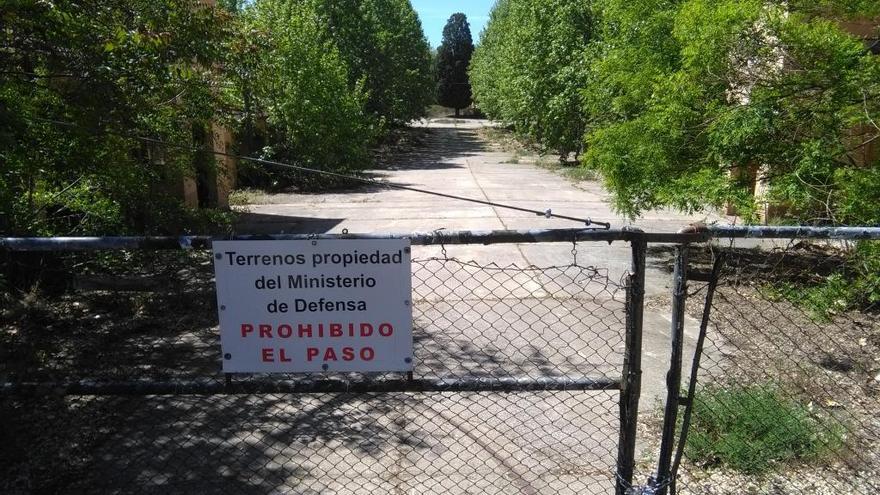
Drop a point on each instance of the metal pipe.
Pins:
(631, 382)
(241, 386)
(673, 376)
(417, 238)
(695, 369)
(794, 232)
(444, 237)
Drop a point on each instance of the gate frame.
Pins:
(629, 383)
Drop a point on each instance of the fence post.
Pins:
(695, 370)
(630, 388)
(673, 376)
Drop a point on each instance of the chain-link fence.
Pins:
(526, 379)
(788, 400)
(112, 384)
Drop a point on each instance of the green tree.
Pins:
(453, 61)
(530, 67)
(79, 81)
(682, 96)
(295, 78)
(383, 44)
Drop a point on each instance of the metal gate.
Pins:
(517, 383)
(527, 379)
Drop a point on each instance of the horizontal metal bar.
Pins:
(416, 238)
(795, 232)
(312, 386)
(484, 237)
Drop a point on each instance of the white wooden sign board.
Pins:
(314, 305)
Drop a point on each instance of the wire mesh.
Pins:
(137, 318)
(789, 388)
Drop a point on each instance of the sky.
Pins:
(435, 13)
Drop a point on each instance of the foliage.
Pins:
(101, 103)
(383, 45)
(530, 68)
(319, 82)
(81, 79)
(855, 287)
(684, 103)
(298, 81)
(727, 86)
(755, 429)
(453, 60)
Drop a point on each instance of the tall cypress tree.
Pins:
(453, 59)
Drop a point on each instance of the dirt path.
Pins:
(454, 159)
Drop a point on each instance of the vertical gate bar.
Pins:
(673, 376)
(695, 369)
(630, 389)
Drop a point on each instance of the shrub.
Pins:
(754, 429)
(856, 286)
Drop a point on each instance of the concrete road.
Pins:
(496, 321)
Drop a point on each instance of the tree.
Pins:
(383, 44)
(81, 80)
(685, 94)
(529, 69)
(297, 80)
(454, 57)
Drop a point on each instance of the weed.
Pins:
(243, 197)
(754, 429)
(856, 286)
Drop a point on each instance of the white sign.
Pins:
(311, 306)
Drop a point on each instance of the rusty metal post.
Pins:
(630, 388)
(695, 370)
(673, 376)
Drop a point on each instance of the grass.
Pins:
(515, 158)
(757, 429)
(834, 295)
(244, 197)
(570, 170)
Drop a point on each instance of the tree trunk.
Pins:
(457, 114)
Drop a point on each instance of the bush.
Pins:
(754, 429)
(856, 286)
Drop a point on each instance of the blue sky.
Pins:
(435, 13)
